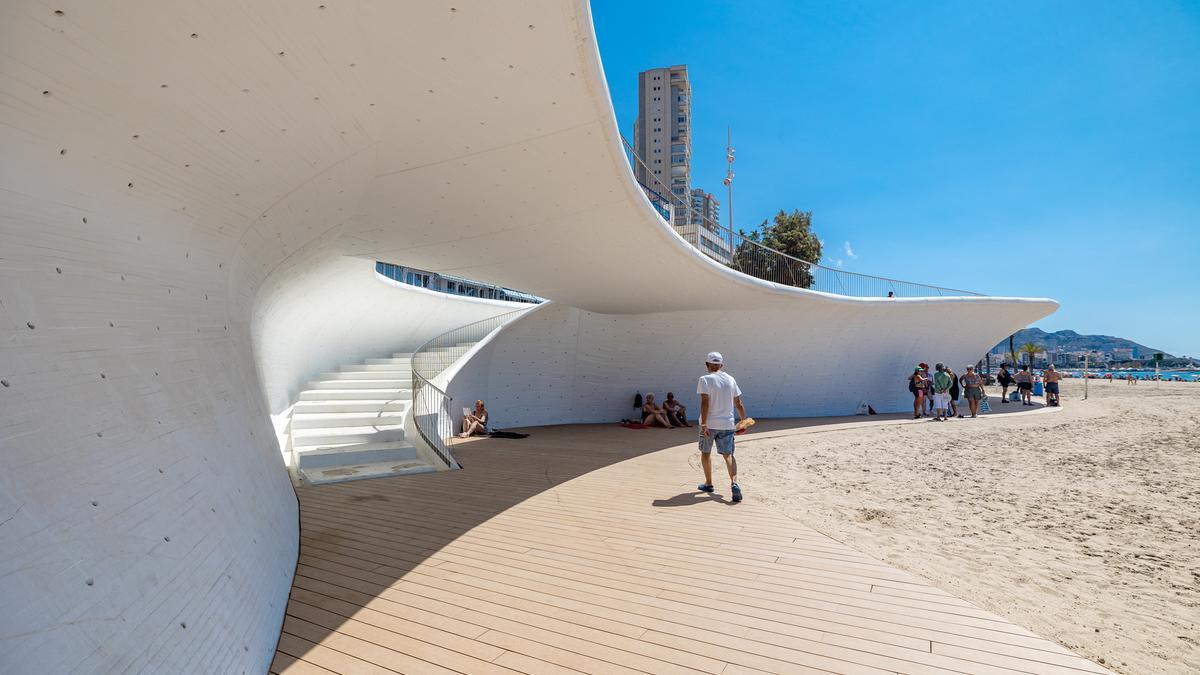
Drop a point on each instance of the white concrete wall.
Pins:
(325, 312)
(562, 365)
(177, 180)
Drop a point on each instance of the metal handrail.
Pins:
(432, 414)
(750, 257)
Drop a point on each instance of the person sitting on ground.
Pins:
(654, 414)
(917, 385)
(1052, 377)
(676, 412)
(1005, 380)
(475, 423)
(972, 385)
(941, 393)
(1025, 385)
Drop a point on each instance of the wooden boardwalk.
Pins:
(587, 549)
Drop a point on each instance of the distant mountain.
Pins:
(1070, 341)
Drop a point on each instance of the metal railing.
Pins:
(432, 412)
(741, 253)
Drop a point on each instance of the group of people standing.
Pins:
(939, 392)
(1024, 379)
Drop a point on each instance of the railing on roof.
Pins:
(750, 257)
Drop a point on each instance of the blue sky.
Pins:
(1045, 149)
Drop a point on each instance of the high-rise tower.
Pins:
(662, 136)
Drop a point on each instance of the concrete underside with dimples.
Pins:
(174, 172)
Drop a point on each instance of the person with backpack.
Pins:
(918, 385)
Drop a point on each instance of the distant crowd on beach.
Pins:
(941, 393)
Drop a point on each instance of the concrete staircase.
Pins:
(350, 424)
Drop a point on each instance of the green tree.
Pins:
(790, 233)
(1030, 349)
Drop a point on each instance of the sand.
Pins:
(1081, 524)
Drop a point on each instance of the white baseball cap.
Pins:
(715, 357)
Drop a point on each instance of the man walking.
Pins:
(941, 393)
(719, 396)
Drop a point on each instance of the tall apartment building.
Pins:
(662, 136)
(704, 231)
(706, 206)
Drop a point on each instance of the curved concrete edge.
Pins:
(329, 311)
(564, 365)
(168, 172)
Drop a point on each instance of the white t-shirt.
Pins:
(721, 389)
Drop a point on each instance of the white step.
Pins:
(340, 474)
(399, 366)
(345, 374)
(365, 383)
(358, 393)
(355, 453)
(351, 406)
(402, 355)
(306, 420)
(304, 439)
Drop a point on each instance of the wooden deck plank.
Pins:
(585, 550)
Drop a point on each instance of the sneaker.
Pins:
(737, 493)
(705, 487)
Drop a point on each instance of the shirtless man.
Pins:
(676, 412)
(1052, 377)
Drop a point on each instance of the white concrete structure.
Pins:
(179, 186)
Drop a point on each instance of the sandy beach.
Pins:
(1080, 524)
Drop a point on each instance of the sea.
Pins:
(1187, 375)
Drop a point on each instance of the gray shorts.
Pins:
(723, 439)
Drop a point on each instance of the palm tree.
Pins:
(1030, 349)
(1012, 351)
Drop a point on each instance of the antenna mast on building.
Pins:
(729, 183)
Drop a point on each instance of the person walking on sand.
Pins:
(941, 393)
(719, 397)
(1052, 377)
(972, 385)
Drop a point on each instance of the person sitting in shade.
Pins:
(676, 412)
(655, 416)
(475, 422)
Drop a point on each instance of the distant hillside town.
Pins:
(1066, 348)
